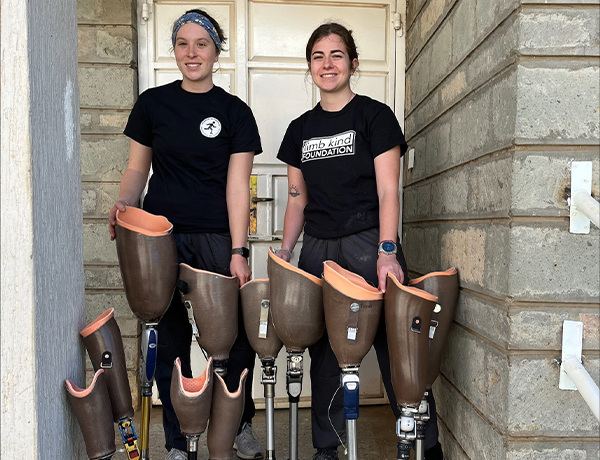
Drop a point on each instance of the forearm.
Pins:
(292, 225)
(389, 215)
(238, 208)
(132, 185)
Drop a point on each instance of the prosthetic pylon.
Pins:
(298, 318)
(258, 323)
(212, 303)
(443, 285)
(408, 313)
(352, 313)
(192, 400)
(93, 411)
(103, 341)
(148, 263)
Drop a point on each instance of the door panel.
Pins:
(264, 64)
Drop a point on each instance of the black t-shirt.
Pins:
(192, 136)
(335, 152)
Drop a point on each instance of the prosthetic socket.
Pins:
(214, 301)
(443, 285)
(92, 409)
(148, 262)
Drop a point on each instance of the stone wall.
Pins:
(501, 97)
(108, 88)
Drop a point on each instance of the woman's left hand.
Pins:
(388, 264)
(239, 267)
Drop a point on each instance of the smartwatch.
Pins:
(244, 252)
(388, 247)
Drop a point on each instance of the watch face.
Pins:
(388, 246)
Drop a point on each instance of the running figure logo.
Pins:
(210, 127)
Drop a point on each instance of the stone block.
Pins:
(565, 449)
(541, 328)
(97, 302)
(490, 187)
(107, 44)
(417, 202)
(421, 248)
(419, 144)
(487, 317)
(449, 195)
(97, 247)
(463, 30)
(103, 121)
(104, 158)
(418, 73)
(558, 104)
(107, 86)
(438, 155)
(541, 181)
(479, 372)
(103, 277)
(113, 12)
(450, 446)
(475, 434)
(490, 13)
(575, 32)
(441, 54)
(99, 198)
(537, 407)
(550, 264)
(426, 24)
(412, 10)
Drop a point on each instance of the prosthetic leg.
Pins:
(352, 314)
(258, 323)
(92, 409)
(297, 308)
(408, 313)
(148, 262)
(192, 400)
(443, 285)
(225, 416)
(212, 304)
(103, 341)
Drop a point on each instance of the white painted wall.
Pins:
(42, 307)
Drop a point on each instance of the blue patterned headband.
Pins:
(202, 21)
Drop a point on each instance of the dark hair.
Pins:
(327, 29)
(214, 22)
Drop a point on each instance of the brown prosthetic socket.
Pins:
(103, 341)
(407, 318)
(148, 262)
(258, 320)
(192, 398)
(443, 285)
(297, 304)
(352, 312)
(214, 299)
(92, 409)
(225, 417)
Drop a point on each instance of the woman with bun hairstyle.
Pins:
(343, 160)
(200, 142)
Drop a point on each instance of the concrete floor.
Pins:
(376, 434)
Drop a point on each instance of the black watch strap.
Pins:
(241, 251)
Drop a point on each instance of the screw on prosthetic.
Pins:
(406, 430)
(268, 378)
(295, 370)
(147, 368)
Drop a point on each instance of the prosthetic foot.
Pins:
(213, 301)
(92, 409)
(225, 416)
(192, 400)
(408, 313)
(443, 285)
(258, 323)
(148, 262)
(352, 314)
(103, 341)
(297, 308)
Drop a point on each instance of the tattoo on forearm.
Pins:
(294, 191)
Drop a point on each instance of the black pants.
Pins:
(211, 252)
(357, 253)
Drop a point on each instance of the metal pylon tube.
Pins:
(351, 433)
(270, 416)
(192, 447)
(147, 368)
(294, 388)
(293, 430)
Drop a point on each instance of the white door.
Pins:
(265, 65)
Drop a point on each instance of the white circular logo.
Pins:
(210, 127)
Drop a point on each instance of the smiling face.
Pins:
(196, 54)
(330, 66)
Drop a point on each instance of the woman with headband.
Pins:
(200, 142)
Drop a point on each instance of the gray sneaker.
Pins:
(176, 454)
(246, 445)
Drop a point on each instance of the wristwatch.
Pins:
(244, 252)
(388, 247)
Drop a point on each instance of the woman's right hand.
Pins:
(283, 254)
(120, 205)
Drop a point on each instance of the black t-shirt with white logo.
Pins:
(335, 152)
(192, 136)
